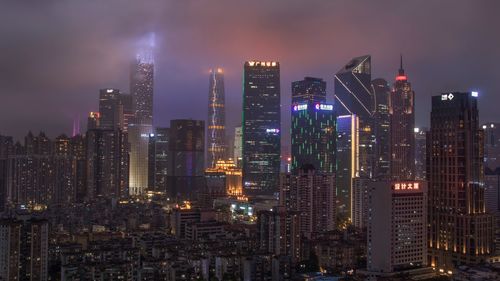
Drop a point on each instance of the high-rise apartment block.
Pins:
(311, 193)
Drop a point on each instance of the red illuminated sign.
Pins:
(406, 186)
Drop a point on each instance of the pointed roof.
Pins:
(360, 64)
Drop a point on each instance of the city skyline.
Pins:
(64, 92)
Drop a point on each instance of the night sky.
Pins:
(56, 55)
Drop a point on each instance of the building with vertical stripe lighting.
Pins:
(216, 123)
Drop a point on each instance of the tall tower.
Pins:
(381, 91)
(313, 126)
(261, 126)
(353, 95)
(216, 124)
(460, 231)
(347, 163)
(402, 116)
(141, 89)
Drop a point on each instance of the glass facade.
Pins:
(261, 126)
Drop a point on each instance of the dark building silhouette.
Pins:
(159, 159)
(261, 126)
(420, 153)
(24, 249)
(107, 163)
(186, 145)
(381, 90)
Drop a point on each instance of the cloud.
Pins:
(55, 55)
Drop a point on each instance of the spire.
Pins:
(401, 70)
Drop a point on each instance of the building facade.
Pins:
(460, 230)
(313, 126)
(402, 125)
(397, 226)
(381, 128)
(141, 90)
(311, 193)
(159, 156)
(261, 126)
(347, 163)
(186, 145)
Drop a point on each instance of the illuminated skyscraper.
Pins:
(460, 231)
(313, 126)
(261, 126)
(381, 90)
(141, 82)
(141, 89)
(402, 116)
(216, 124)
(353, 95)
(347, 162)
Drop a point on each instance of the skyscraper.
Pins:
(159, 156)
(216, 123)
(107, 163)
(142, 82)
(261, 126)
(347, 163)
(420, 153)
(460, 231)
(110, 109)
(141, 89)
(353, 96)
(313, 126)
(402, 116)
(311, 193)
(186, 145)
(491, 145)
(381, 90)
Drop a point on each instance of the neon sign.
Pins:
(321, 106)
(449, 96)
(407, 186)
(273, 131)
(298, 107)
